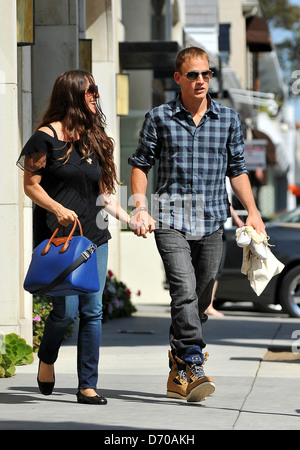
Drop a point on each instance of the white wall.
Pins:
(12, 308)
(231, 11)
(142, 269)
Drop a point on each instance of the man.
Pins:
(197, 142)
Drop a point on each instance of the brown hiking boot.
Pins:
(199, 386)
(177, 383)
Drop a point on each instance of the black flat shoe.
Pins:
(46, 387)
(96, 400)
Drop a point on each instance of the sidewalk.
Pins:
(255, 390)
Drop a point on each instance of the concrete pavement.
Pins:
(256, 375)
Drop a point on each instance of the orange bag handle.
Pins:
(62, 240)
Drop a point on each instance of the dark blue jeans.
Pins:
(191, 267)
(64, 313)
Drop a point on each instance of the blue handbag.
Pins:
(63, 266)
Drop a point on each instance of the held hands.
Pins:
(141, 222)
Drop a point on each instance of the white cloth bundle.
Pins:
(259, 271)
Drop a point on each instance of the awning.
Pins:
(272, 128)
(270, 77)
(270, 147)
(231, 81)
(258, 35)
(192, 41)
(149, 55)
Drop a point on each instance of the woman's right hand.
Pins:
(65, 216)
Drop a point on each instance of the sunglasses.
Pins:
(194, 74)
(92, 89)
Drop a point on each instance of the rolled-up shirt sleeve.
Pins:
(235, 147)
(147, 150)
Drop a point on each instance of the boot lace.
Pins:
(197, 369)
(182, 375)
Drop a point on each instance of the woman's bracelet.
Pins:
(138, 209)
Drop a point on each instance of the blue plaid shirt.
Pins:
(191, 193)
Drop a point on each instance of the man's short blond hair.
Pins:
(189, 52)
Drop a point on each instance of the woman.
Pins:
(68, 163)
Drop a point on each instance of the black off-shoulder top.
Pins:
(75, 183)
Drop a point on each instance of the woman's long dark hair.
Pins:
(68, 106)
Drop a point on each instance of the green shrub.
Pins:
(14, 351)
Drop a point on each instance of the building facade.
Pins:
(65, 35)
(129, 46)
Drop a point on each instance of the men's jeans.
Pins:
(64, 313)
(191, 267)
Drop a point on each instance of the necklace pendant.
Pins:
(89, 161)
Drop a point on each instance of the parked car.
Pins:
(283, 289)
